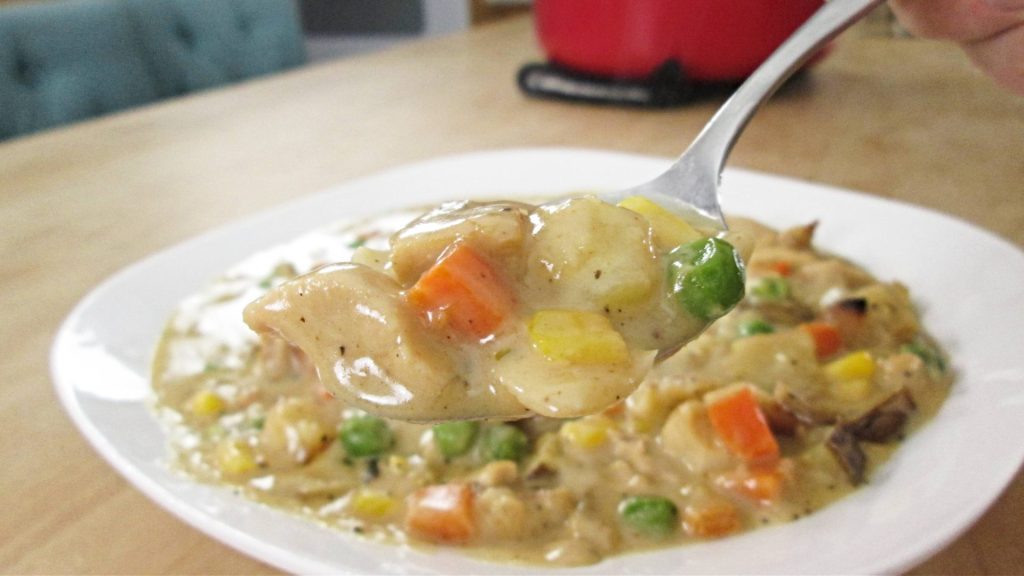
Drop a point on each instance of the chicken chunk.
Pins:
(343, 316)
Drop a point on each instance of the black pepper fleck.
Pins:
(372, 468)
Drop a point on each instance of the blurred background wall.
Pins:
(336, 28)
(345, 27)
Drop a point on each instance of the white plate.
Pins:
(970, 286)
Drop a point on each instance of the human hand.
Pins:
(990, 31)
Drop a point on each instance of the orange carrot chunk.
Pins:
(462, 292)
(442, 513)
(743, 428)
(782, 267)
(711, 519)
(827, 340)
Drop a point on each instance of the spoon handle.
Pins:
(712, 146)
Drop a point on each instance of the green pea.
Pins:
(503, 442)
(365, 436)
(455, 438)
(706, 277)
(928, 354)
(771, 288)
(756, 327)
(649, 515)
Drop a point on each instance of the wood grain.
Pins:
(897, 118)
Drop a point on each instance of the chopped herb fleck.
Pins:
(771, 288)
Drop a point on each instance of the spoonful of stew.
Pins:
(504, 309)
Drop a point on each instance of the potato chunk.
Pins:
(765, 359)
(588, 255)
(688, 435)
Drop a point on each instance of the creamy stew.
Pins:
(785, 404)
(485, 310)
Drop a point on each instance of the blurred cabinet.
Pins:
(336, 28)
(337, 17)
(483, 11)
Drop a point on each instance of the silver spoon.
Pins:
(690, 185)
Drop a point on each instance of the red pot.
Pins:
(712, 39)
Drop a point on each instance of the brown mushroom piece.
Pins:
(879, 424)
(886, 420)
(845, 447)
(781, 421)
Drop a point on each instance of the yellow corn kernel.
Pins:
(206, 403)
(577, 337)
(398, 463)
(372, 504)
(644, 409)
(854, 366)
(854, 390)
(234, 458)
(588, 433)
(640, 425)
(669, 229)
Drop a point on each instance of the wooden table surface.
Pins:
(904, 119)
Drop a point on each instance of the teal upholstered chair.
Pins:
(73, 59)
(197, 44)
(67, 61)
